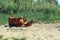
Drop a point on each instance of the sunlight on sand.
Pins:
(34, 32)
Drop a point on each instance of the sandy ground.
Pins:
(34, 32)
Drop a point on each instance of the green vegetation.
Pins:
(1, 38)
(5, 39)
(19, 39)
(40, 10)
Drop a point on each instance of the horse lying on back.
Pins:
(19, 22)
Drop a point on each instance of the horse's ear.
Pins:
(10, 17)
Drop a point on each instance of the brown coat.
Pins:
(19, 22)
(15, 21)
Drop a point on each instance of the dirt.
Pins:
(35, 32)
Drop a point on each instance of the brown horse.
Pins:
(16, 21)
(19, 22)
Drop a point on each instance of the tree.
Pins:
(7, 5)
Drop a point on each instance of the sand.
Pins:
(35, 32)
